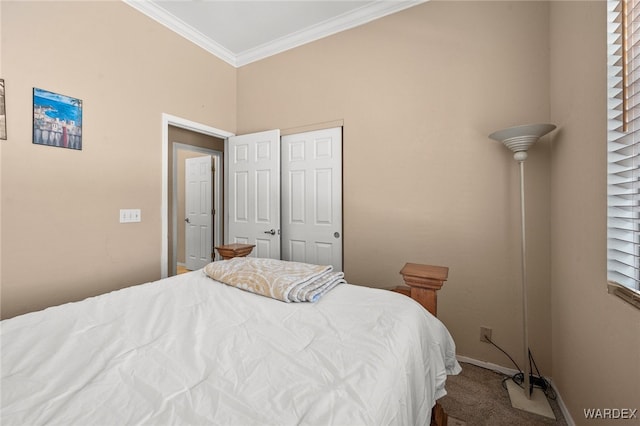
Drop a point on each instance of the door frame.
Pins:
(172, 120)
(216, 162)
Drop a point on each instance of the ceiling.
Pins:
(241, 31)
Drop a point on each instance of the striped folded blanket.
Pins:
(278, 279)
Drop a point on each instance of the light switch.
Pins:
(130, 215)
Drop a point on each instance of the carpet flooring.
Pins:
(476, 397)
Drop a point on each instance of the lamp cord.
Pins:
(518, 378)
(502, 350)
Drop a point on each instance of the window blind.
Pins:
(623, 133)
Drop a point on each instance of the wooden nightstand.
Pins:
(229, 251)
(422, 284)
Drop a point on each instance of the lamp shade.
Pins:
(519, 138)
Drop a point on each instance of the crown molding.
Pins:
(332, 26)
(343, 22)
(180, 27)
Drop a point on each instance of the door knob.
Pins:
(272, 232)
(187, 220)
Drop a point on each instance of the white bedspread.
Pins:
(189, 350)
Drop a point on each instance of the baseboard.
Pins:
(511, 372)
(487, 365)
(563, 408)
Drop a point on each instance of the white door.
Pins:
(312, 197)
(198, 212)
(253, 177)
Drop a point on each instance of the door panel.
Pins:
(198, 214)
(254, 192)
(312, 197)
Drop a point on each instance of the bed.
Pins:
(191, 350)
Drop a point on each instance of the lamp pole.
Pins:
(520, 157)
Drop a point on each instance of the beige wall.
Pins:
(61, 239)
(596, 336)
(419, 91)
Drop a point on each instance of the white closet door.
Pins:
(253, 201)
(312, 197)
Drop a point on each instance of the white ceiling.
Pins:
(241, 31)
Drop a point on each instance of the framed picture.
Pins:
(57, 120)
(3, 113)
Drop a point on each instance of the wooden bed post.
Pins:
(422, 284)
(438, 416)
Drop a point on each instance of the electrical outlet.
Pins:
(485, 334)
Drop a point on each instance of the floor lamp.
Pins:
(518, 139)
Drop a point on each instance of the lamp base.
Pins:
(538, 403)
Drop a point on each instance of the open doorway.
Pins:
(185, 145)
(184, 135)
